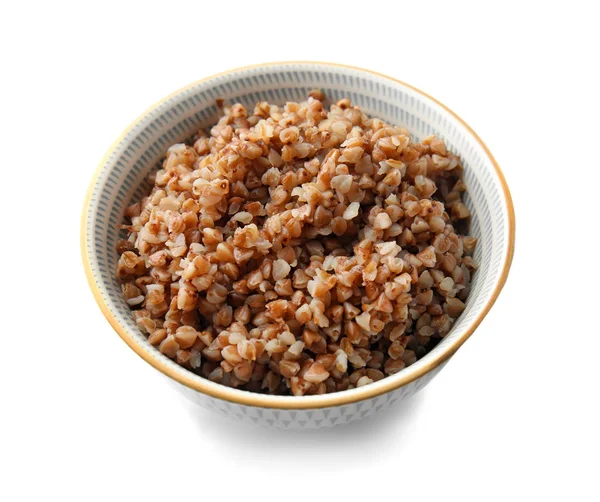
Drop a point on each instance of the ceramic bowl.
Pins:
(120, 179)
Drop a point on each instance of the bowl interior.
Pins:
(121, 177)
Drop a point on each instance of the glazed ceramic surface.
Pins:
(120, 179)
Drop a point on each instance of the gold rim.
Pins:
(306, 402)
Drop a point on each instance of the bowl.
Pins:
(120, 178)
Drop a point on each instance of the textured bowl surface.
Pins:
(120, 179)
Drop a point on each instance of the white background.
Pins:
(514, 416)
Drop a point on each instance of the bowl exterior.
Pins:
(121, 179)
(315, 418)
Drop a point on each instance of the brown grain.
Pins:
(299, 249)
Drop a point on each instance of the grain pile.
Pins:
(299, 249)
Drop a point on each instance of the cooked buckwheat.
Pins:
(299, 249)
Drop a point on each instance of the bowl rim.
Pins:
(240, 397)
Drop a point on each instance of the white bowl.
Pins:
(120, 179)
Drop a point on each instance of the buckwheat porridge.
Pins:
(299, 249)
